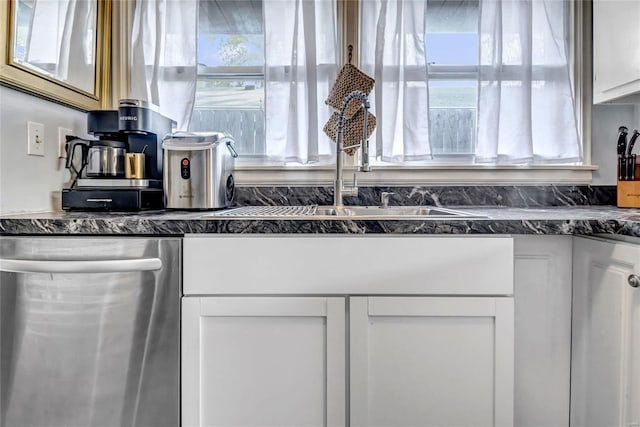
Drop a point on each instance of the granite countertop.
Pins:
(580, 220)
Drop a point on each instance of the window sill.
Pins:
(246, 175)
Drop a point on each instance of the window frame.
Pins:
(443, 172)
(249, 173)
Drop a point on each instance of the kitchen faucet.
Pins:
(338, 185)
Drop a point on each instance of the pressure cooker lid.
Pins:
(108, 143)
(193, 140)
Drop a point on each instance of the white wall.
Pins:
(605, 121)
(30, 183)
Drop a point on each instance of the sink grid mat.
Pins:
(262, 211)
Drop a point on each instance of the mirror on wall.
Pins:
(58, 50)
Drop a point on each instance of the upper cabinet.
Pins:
(57, 50)
(616, 51)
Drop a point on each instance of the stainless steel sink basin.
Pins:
(392, 212)
(346, 212)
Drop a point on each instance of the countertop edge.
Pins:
(549, 221)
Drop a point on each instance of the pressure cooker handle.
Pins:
(232, 148)
(84, 148)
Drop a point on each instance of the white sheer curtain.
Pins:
(163, 56)
(62, 40)
(301, 53)
(396, 59)
(525, 101)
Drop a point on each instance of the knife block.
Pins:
(629, 194)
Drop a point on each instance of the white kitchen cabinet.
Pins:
(542, 330)
(351, 264)
(606, 334)
(270, 361)
(616, 51)
(420, 361)
(434, 346)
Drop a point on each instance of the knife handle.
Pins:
(622, 140)
(632, 141)
(622, 168)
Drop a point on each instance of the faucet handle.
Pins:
(353, 190)
(384, 198)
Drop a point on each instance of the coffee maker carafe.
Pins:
(98, 167)
(101, 158)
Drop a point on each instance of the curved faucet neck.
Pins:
(338, 186)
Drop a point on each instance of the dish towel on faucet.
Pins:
(349, 79)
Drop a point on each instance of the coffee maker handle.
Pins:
(84, 148)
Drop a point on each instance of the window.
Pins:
(232, 75)
(460, 63)
(451, 42)
(497, 75)
(230, 93)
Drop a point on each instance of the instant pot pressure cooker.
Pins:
(198, 170)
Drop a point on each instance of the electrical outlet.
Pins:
(35, 139)
(62, 142)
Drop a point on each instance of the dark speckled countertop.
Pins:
(581, 210)
(580, 220)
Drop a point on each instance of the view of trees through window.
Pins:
(230, 89)
(230, 70)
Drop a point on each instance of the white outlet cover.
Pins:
(35, 139)
(62, 141)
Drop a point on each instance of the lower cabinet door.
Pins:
(605, 368)
(422, 361)
(270, 361)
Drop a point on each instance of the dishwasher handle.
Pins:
(89, 266)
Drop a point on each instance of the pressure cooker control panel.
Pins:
(185, 168)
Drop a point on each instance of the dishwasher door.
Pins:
(89, 331)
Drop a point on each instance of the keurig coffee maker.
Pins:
(121, 170)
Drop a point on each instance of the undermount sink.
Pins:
(422, 212)
(346, 212)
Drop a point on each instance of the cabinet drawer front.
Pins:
(398, 265)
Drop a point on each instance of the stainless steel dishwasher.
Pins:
(89, 331)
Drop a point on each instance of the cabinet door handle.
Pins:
(634, 280)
